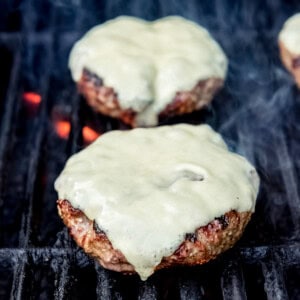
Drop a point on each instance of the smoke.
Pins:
(256, 113)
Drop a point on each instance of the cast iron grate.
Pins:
(42, 124)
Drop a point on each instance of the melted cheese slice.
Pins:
(148, 62)
(290, 34)
(147, 188)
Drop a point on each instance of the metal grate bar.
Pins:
(232, 282)
(10, 109)
(62, 267)
(75, 124)
(39, 254)
(62, 279)
(32, 173)
(147, 291)
(38, 127)
(288, 255)
(190, 289)
(18, 277)
(104, 286)
(274, 281)
(11, 98)
(252, 254)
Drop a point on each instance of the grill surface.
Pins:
(257, 113)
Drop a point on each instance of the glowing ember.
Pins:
(32, 98)
(62, 129)
(89, 135)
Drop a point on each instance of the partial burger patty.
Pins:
(291, 61)
(289, 46)
(200, 246)
(105, 100)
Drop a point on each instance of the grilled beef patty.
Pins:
(204, 244)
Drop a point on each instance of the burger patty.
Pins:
(105, 100)
(199, 247)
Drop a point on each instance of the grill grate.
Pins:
(64, 271)
(257, 112)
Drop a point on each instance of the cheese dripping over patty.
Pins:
(147, 63)
(147, 188)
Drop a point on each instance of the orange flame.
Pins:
(89, 135)
(32, 98)
(63, 129)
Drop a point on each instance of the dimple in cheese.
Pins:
(147, 188)
(147, 63)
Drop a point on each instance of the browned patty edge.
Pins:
(105, 100)
(199, 247)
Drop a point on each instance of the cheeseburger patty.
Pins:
(140, 71)
(199, 247)
(150, 198)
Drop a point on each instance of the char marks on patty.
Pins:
(204, 244)
(104, 99)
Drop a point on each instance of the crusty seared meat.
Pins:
(291, 62)
(199, 247)
(104, 99)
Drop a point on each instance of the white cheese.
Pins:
(148, 62)
(147, 188)
(290, 34)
